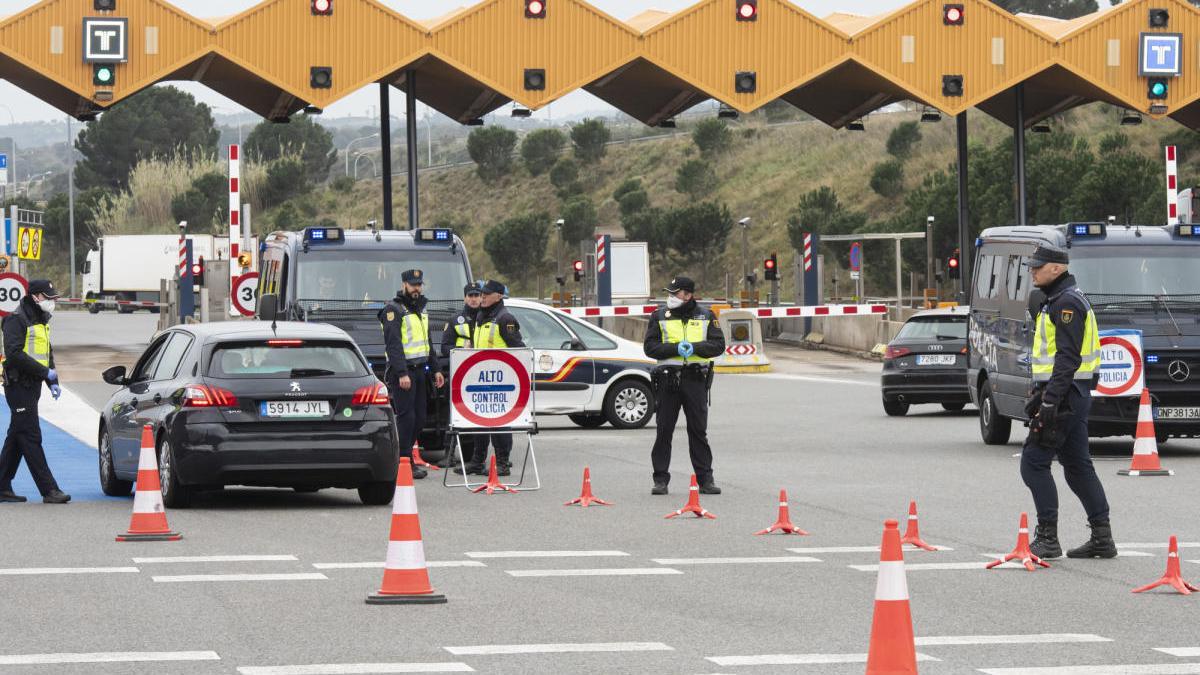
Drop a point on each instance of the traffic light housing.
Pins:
(745, 82)
(771, 268)
(535, 9)
(535, 79)
(952, 265)
(103, 74)
(104, 5)
(198, 271)
(952, 85)
(322, 7)
(747, 10)
(578, 266)
(952, 15)
(1156, 88)
(320, 77)
(1159, 18)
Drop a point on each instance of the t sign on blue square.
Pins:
(1160, 54)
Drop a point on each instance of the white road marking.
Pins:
(215, 558)
(917, 567)
(1120, 554)
(357, 668)
(796, 659)
(601, 572)
(813, 378)
(73, 415)
(561, 648)
(303, 576)
(545, 554)
(1042, 638)
(1161, 544)
(380, 565)
(736, 561)
(853, 549)
(1144, 669)
(103, 657)
(1179, 651)
(20, 571)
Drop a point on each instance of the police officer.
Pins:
(495, 328)
(1066, 360)
(684, 338)
(410, 360)
(457, 335)
(29, 361)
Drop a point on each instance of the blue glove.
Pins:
(686, 349)
(52, 376)
(56, 391)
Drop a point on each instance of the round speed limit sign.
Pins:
(13, 287)
(245, 293)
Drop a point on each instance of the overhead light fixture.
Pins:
(929, 114)
(1158, 109)
(87, 117)
(856, 125)
(1040, 128)
(320, 77)
(668, 123)
(1130, 117)
(313, 110)
(726, 113)
(475, 122)
(521, 112)
(952, 85)
(104, 5)
(535, 79)
(1159, 18)
(745, 82)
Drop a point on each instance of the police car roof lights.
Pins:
(437, 235)
(323, 235)
(1186, 230)
(1087, 229)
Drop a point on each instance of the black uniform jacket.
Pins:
(20, 367)
(1068, 309)
(392, 316)
(465, 316)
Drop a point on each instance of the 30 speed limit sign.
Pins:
(13, 287)
(245, 293)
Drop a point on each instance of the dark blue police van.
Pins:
(1144, 278)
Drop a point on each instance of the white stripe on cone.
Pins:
(892, 584)
(1145, 446)
(147, 501)
(405, 555)
(405, 501)
(147, 460)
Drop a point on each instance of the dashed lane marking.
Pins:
(1142, 669)
(812, 378)
(545, 554)
(560, 648)
(853, 549)
(183, 578)
(1034, 639)
(1120, 554)
(103, 657)
(1179, 651)
(380, 565)
(796, 659)
(1161, 544)
(736, 561)
(21, 571)
(917, 567)
(214, 558)
(356, 668)
(601, 572)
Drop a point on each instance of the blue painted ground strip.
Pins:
(72, 461)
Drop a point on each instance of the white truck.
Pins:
(131, 266)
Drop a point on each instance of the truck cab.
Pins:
(1137, 277)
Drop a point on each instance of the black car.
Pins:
(927, 362)
(247, 403)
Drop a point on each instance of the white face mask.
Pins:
(47, 306)
(674, 302)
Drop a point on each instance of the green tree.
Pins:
(590, 138)
(1059, 9)
(565, 177)
(698, 233)
(695, 179)
(1122, 183)
(819, 211)
(712, 137)
(286, 178)
(902, 139)
(57, 223)
(579, 219)
(631, 197)
(540, 150)
(204, 204)
(648, 225)
(491, 148)
(301, 136)
(517, 246)
(156, 122)
(887, 178)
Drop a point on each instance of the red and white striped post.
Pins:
(808, 261)
(603, 270)
(183, 266)
(235, 218)
(1172, 187)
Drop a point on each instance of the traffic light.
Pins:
(320, 77)
(535, 79)
(1159, 18)
(952, 15)
(1156, 88)
(322, 7)
(244, 260)
(535, 9)
(103, 75)
(952, 85)
(578, 265)
(952, 265)
(745, 82)
(104, 5)
(747, 10)
(198, 272)
(771, 268)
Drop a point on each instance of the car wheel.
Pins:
(953, 407)
(377, 494)
(895, 408)
(174, 494)
(109, 483)
(629, 404)
(588, 421)
(993, 427)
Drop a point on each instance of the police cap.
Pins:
(42, 287)
(681, 284)
(494, 286)
(472, 289)
(413, 277)
(1045, 255)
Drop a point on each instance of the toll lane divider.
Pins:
(798, 312)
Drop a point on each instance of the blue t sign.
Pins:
(1160, 54)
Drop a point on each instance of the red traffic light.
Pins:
(953, 262)
(952, 15)
(197, 269)
(769, 264)
(322, 7)
(535, 9)
(578, 265)
(747, 10)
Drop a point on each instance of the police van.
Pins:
(1144, 278)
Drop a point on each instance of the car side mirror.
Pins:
(574, 344)
(116, 376)
(268, 307)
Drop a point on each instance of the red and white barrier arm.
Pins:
(118, 303)
(799, 312)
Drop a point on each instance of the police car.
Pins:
(1141, 278)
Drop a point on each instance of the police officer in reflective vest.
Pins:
(1066, 361)
(28, 363)
(684, 338)
(495, 328)
(457, 335)
(411, 359)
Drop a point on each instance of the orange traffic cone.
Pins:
(1145, 444)
(493, 482)
(784, 523)
(1173, 577)
(1021, 552)
(912, 535)
(149, 521)
(693, 504)
(586, 498)
(405, 574)
(893, 650)
(417, 460)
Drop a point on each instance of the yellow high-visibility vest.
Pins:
(487, 336)
(1045, 346)
(414, 336)
(37, 343)
(462, 334)
(675, 331)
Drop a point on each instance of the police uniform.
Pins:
(409, 352)
(457, 335)
(28, 363)
(1065, 364)
(496, 328)
(683, 382)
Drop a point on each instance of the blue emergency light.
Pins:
(323, 235)
(1152, 358)
(1088, 229)
(437, 235)
(1189, 230)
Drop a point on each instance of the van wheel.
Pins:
(895, 408)
(993, 427)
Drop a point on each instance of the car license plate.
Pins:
(1177, 413)
(294, 408)
(936, 360)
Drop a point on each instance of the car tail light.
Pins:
(204, 396)
(374, 394)
(284, 343)
(896, 352)
(963, 351)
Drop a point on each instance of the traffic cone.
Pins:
(1021, 552)
(1173, 577)
(586, 498)
(784, 523)
(149, 520)
(893, 650)
(1145, 444)
(405, 574)
(693, 504)
(912, 535)
(493, 482)
(417, 460)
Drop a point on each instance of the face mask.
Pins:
(674, 302)
(47, 306)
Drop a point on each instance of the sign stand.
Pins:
(530, 458)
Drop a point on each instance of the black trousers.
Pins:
(25, 438)
(411, 407)
(501, 442)
(692, 396)
(1076, 460)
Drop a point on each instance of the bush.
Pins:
(564, 174)
(590, 138)
(902, 139)
(579, 219)
(540, 150)
(887, 178)
(695, 179)
(491, 149)
(204, 204)
(820, 211)
(633, 202)
(517, 246)
(712, 137)
(343, 184)
(286, 178)
(629, 185)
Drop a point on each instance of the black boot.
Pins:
(419, 473)
(659, 488)
(1045, 541)
(1101, 544)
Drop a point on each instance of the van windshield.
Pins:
(1137, 270)
(329, 274)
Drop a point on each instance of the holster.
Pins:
(1054, 437)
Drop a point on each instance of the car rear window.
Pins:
(286, 358)
(934, 328)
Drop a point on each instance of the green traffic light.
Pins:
(1158, 88)
(102, 75)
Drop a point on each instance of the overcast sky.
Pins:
(25, 107)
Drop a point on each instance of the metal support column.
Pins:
(966, 250)
(70, 202)
(385, 142)
(1019, 153)
(410, 123)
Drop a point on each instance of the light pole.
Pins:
(71, 200)
(559, 224)
(346, 150)
(13, 138)
(745, 223)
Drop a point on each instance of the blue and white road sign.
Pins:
(3, 161)
(1160, 54)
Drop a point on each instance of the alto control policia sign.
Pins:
(491, 389)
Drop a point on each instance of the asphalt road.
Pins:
(692, 596)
